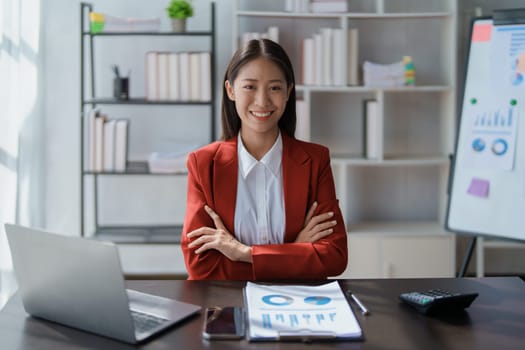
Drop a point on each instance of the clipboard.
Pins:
(299, 313)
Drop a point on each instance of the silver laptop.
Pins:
(79, 282)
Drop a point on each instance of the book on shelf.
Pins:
(308, 67)
(184, 75)
(353, 56)
(302, 129)
(109, 145)
(327, 52)
(89, 154)
(205, 76)
(318, 59)
(338, 56)
(195, 79)
(152, 93)
(163, 75)
(121, 144)
(174, 76)
(99, 142)
(102, 23)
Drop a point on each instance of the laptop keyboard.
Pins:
(145, 322)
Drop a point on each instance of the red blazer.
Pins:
(307, 177)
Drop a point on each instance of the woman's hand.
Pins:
(316, 227)
(218, 238)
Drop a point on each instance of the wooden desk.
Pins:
(496, 319)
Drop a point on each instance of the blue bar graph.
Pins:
(495, 119)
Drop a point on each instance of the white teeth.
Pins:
(257, 114)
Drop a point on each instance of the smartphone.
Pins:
(224, 323)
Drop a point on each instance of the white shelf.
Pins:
(406, 228)
(370, 89)
(397, 200)
(415, 161)
(348, 15)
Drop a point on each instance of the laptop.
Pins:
(79, 283)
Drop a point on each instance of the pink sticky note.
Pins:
(521, 63)
(479, 187)
(481, 32)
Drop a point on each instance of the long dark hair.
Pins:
(231, 122)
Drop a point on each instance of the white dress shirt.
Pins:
(259, 208)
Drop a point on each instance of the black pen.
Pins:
(362, 306)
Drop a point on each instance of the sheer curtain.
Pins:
(21, 125)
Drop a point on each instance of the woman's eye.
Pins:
(249, 87)
(276, 88)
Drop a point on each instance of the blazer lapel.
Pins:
(225, 182)
(296, 179)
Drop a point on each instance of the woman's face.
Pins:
(260, 94)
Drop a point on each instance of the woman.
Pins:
(261, 205)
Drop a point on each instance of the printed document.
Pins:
(284, 312)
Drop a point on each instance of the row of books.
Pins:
(107, 143)
(323, 58)
(102, 23)
(178, 76)
(316, 6)
(272, 33)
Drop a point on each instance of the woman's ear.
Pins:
(289, 91)
(229, 90)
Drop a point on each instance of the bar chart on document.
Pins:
(279, 311)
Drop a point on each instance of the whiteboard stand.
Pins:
(480, 258)
(468, 256)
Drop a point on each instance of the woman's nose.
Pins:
(262, 97)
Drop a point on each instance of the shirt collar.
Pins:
(272, 158)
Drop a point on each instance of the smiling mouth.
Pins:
(261, 114)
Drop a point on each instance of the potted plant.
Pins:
(178, 11)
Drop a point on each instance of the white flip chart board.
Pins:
(487, 181)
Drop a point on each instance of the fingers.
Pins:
(322, 234)
(319, 218)
(200, 231)
(215, 217)
(310, 213)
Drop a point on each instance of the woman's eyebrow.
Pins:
(271, 81)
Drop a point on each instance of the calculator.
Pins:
(438, 300)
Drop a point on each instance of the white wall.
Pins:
(158, 199)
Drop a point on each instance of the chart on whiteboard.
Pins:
(492, 140)
(492, 109)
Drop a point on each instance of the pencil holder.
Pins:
(121, 88)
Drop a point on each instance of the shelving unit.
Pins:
(131, 233)
(401, 195)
